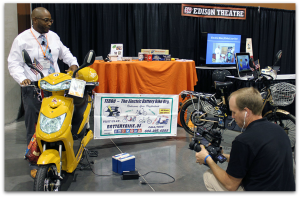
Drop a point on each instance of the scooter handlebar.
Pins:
(33, 84)
(88, 60)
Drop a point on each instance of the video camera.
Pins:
(205, 138)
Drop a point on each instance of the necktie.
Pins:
(48, 54)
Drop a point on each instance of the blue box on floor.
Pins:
(126, 164)
(115, 160)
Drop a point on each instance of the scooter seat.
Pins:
(221, 85)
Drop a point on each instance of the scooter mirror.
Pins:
(277, 58)
(278, 55)
(27, 60)
(88, 60)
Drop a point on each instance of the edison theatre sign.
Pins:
(213, 12)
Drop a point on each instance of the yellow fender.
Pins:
(48, 157)
(87, 138)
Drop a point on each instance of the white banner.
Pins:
(135, 115)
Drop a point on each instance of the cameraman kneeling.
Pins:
(261, 156)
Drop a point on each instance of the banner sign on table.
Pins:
(213, 12)
(135, 115)
(117, 49)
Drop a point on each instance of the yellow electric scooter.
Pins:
(63, 118)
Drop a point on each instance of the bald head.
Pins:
(39, 12)
(40, 17)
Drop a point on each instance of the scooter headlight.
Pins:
(65, 85)
(51, 125)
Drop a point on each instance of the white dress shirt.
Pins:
(25, 40)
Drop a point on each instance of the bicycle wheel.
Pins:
(191, 117)
(287, 122)
(295, 152)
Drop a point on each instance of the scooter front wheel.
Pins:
(46, 178)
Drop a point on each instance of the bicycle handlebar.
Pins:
(263, 77)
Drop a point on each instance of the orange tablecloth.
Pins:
(142, 77)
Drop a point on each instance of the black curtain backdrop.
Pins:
(82, 27)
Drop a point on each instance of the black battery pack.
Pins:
(130, 175)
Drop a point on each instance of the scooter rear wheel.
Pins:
(46, 178)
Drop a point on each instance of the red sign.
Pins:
(213, 12)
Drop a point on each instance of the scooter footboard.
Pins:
(48, 157)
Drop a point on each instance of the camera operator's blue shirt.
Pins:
(262, 156)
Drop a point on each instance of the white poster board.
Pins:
(117, 49)
(249, 47)
(135, 115)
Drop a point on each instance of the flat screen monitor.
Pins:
(219, 49)
(243, 64)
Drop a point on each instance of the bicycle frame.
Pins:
(218, 107)
(200, 115)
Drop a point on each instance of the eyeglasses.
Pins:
(47, 20)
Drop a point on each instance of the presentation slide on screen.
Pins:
(221, 48)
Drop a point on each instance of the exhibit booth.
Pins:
(158, 76)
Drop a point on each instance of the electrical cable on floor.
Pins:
(142, 182)
(135, 168)
(89, 164)
(116, 145)
(145, 182)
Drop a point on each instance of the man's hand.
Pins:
(229, 182)
(26, 82)
(72, 68)
(200, 156)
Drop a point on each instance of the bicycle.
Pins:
(279, 94)
(141, 112)
(131, 118)
(202, 110)
(148, 120)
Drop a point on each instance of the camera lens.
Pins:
(191, 145)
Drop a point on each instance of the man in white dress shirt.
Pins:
(44, 52)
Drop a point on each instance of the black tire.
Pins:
(287, 122)
(188, 112)
(45, 172)
(295, 152)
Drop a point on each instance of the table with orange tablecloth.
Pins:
(142, 77)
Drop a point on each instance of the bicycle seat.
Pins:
(221, 85)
